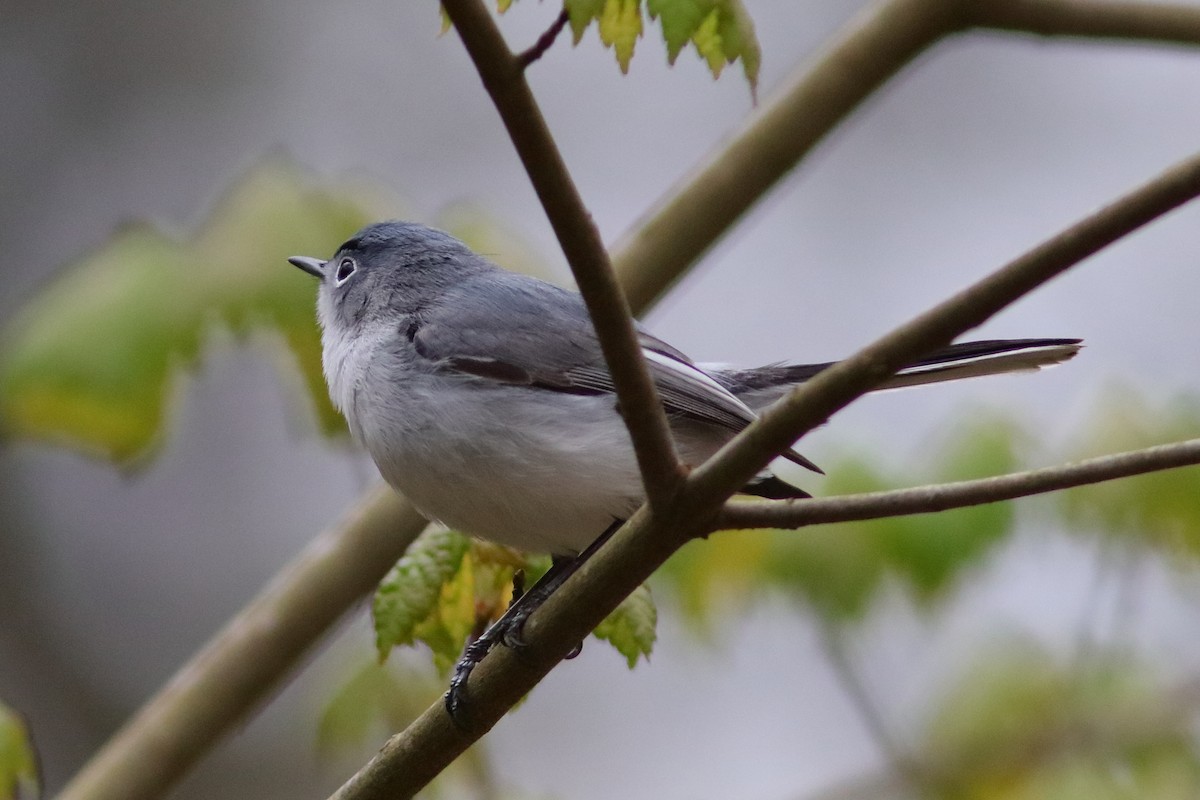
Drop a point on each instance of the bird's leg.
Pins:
(507, 629)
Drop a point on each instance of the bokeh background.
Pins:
(132, 110)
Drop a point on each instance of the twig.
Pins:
(812, 403)
(944, 496)
(544, 42)
(1171, 23)
(505, 81)
(241, 664)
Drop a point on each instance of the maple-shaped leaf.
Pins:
(720, 30)
(632, 627)
(407, 602)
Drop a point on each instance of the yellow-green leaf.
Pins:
(720, 30)
(1021, 724)
(632, 626)
(620, 28)
(91, 361)
(1159, 509)
(408, 600)
(18, 762)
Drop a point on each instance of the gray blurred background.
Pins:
(139, 110)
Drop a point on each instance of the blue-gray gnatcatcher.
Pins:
(483, 396)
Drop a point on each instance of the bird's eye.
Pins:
(345, 269)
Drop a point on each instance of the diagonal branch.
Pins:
(812, 403)
(503, 76)
(961, 494)
(226, 680)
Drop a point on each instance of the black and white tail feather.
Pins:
(761, 386)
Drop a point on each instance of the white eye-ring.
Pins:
(346, 268)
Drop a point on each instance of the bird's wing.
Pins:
(521, 331)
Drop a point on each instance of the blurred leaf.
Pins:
(720, 30)
(375, 701)
(631, 627)
(1021, 725)
(18, 761)
(417, 587)
(90, 361)
(718, 574)
(374, 696)
(838, 569)
(1160, 509)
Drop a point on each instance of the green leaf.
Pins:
(1158, 509)
(839, 569)
(720, 30)
(18, 761)
(716, 576)
(631, 627)
(1022, 724)
(374, 696)
(620, 27)
(91, 361)
(415, 590)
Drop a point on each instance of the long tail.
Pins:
(761, 386)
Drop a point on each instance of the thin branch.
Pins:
(812, 403)
(1169, 23)
(545, 41)
(819, 94)
(243, 663)
(740, 514)
(504, 80)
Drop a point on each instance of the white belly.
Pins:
(547, 473)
